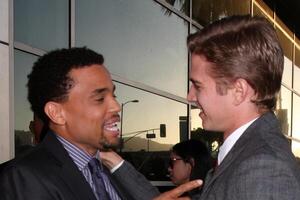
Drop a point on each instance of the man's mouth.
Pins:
(113, 126)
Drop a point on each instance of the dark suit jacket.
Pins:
(134, 182)
(260, 166)
(46, 173)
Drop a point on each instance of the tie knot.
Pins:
(94, 165)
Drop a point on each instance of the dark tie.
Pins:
(97, 176)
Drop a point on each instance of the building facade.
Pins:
(144, 46)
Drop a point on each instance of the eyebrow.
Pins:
(195, 82)
(101, 91)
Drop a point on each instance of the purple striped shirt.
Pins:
(82, 159)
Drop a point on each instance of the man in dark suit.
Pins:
(236, 72)
(72, 92)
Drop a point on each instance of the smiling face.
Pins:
(90, 114)
(216, 109)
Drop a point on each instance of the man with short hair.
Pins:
(236, 72)
(71, 91)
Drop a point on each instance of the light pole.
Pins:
(121, 131)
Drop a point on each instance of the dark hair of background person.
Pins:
(49, 79)
(197, 154)
(242, 47)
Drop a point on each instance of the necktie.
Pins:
(98, 179)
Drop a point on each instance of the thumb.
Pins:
(177, 192)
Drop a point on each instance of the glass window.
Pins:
(260, 4)
(23, 114)
(194, 29)
(287, 46)
(284, 27)
(296, 125)
(283, 110)
(297, 71)
(145, 117)
(4, 20)
(138, 41)
(183, 6)
(196, 121)
(207, 11)
(41, 24)
(212, 139)
(5, 141)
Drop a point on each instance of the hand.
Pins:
(178, 191)
(110, 159)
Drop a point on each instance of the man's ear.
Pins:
(55, 112)
(241, 91)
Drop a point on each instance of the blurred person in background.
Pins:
(189, 160)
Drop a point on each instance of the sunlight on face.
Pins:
(91, 111)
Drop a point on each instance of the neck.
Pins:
(239, 121)
(88, 149)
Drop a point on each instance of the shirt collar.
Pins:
(231, 140)
(80, 157)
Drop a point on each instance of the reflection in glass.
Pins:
(196, 121)
(145, 117)
(283, 110)
(287, 47)
(296, 85)
(207, 11)
(194, 29)
(138, 40)
(296, 125)
(4, 20)
(23, 65)
(23, 114)
(182, 5)
(41, 24)
(258, 11)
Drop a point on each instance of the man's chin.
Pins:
(107, 146)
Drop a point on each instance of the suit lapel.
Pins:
(121, 192)
(68, 171)
(250, 134)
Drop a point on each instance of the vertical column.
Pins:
(6, 141)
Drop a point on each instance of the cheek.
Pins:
(181, 171)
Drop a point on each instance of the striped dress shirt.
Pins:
(81, 159)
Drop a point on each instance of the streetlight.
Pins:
(121, 131)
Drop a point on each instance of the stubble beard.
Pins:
(108, 146)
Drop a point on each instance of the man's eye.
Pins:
(100, 99)
(197, 87)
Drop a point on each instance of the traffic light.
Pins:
(162, 129)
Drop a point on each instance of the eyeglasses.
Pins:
(172, 160)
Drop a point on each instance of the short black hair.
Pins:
(198, 151)
(49, 79)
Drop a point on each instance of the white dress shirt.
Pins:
(231, 140)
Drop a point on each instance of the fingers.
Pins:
(177, 192)
(110, 159)
(186, 187)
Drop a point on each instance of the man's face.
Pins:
(91, 110)
(214, 108)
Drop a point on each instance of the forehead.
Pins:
(200, 68)
(91, 75)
